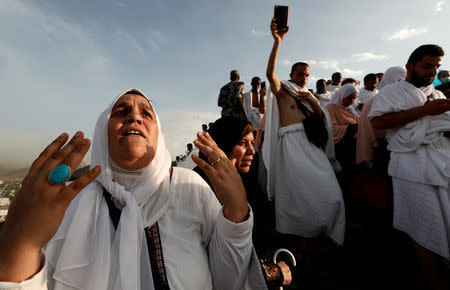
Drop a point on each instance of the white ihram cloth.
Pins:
(365, 95)
(419, 165)
(253, 115)
(325, 98)
(308, 199)
(201, 247)
(333, 88)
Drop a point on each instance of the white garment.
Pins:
(343, 92)
(365, 95)
(87, 253)
(420, 154)
(252, 113)
(333, 88)
(307, 195)
(325, 98)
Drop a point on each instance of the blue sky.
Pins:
(63, 62)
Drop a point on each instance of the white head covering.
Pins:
(345, 91)
(392, 75)
(86, 251)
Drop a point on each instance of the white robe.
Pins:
(308, 199)
(365, 95)
(333, 88)
(253, 115)
(419, 165)
(325, 98)
(200, 246)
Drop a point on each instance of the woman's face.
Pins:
(348, 100)
(243, 153)
(132, 132)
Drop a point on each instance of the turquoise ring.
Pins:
(59, 174)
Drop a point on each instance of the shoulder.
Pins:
(187, 180)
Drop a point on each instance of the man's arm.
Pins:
(278, 36)
(398, 119)
(262, 105)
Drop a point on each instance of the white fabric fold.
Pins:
(272, 126)
(428, 164)
(87, 252)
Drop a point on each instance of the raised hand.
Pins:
(278, 35)
(224, 178)
(39, 207)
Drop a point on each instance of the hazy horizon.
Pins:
(63, 62)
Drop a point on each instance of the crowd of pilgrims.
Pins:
(360, 151)
(284, 167)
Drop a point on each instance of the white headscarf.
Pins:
(392, 75)
(87, 252)
(345, 91)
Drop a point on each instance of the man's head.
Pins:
(379, 76)
(348, 81)
(204, 127)
(321, 86)
(443, 74)
(189, 147)
(336, 78)
(423, 64)
(256, 82)
(132, 131)
(370, 82)
(300, 74)
(234, 75)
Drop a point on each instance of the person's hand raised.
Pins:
(39, 207)
(278, 35)
(224, 178)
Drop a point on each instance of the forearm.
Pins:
(316, 107)
(262, 106)
(398, 119)
(230, 250)
(270, 71)
(18, 261)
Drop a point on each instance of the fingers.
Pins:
(75, 187)
(48, 152)
(202, 164)
(209, 152)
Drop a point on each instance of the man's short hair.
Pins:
(255, 79)
(348, 81)
(426, 49)
(295, 65)
(370, 77)
(441, 72)
(234, 75)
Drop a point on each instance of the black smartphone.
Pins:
(263, 85)
(280, 13)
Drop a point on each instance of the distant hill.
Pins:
(14, 174)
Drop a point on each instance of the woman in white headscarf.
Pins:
(92, 231)
(345, 125)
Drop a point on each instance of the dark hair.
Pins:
(295, 65)
(370, 77)
(439, 74)
(348, 81)
(234, 75)
(426, 49)
(336, 74)
(255, 79)
(321, 81)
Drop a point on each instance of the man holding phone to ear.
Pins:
(308, 199)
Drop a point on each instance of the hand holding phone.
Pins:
(281, 16)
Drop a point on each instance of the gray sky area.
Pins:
(63, 62)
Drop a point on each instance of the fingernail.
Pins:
(78, 134)
(85, 140)
(61, 136)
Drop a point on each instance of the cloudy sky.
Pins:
(63, 62)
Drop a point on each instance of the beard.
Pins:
(420, 81)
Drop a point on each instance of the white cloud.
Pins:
(352, 73)
(256, 33)
(14, 7)
(438, 7)
(285, 62)
(120, 4)
(406, 32)
(365, 56)
(328, 64)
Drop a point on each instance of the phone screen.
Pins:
(281, 16)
